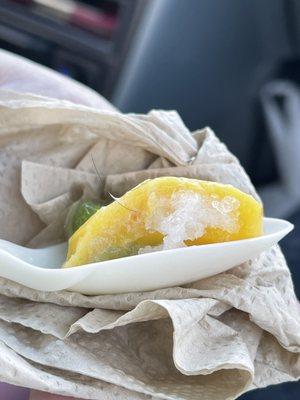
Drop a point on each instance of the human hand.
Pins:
(37, 395)
(22, 75)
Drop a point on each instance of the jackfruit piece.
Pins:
(165, 213)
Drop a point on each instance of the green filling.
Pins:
(117, 252)
(78, 214)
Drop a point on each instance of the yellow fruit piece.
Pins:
(168, 212)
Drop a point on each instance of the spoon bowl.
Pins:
(40, 269)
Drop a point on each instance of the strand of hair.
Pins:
(101, 181)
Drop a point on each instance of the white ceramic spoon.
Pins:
(40, 268)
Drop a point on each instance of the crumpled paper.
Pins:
(212, 339)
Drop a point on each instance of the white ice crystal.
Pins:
(186, 215)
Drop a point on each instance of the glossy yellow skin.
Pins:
(118, 229)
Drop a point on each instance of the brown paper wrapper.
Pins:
(213, 339)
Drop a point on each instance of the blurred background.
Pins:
(233, 65)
